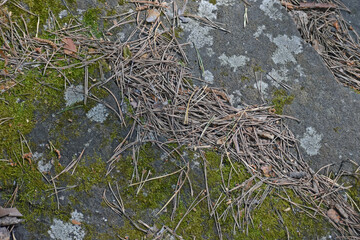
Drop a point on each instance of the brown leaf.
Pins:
(336, 25)
(11, 212)
(38, 50)
(266, 169)
(248, 185)
(75, 222)
(69, 47)
(333, 215)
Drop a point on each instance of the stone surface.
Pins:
(354, 15)
(252, 62)
(4, 234)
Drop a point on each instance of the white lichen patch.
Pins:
(208, 77)
(98, 113)
(280, 75)
(286, 48)
(261, 87)
(199, 34)
(65, 231)
(210, 52)
(300, 70)
(74, 94)
(43, 165)
(207, 9)
(225, 2)
(272, 9)
(78, 216)
(234, 61)
(121, 36)
(259, 31)
(235, 98)
(311, 141)
(63, 14)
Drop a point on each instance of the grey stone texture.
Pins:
(252, 62)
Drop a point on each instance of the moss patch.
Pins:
(33, 93)
(212, 2)
(91, 19)
(32, 199)
(280, 99)
(40, 8)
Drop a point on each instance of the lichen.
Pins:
(311, 141)
(234, 61)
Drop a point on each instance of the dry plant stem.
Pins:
(56, 194)
(209, 202)
(159, 177)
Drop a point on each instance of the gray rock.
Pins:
(253, 62)
(4, 234)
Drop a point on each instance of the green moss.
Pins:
(126, 52)
(354, 192)
(91, 19)
(244, 78)
(178, 31)
(32, 197)
(225, 74)
(39, 8)
(257, 68)
(212, 2)
(90, 172)
(34, 93)
(129, 108)
(280, 99)
(122, 2)
(215, 168)
(355, 90)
